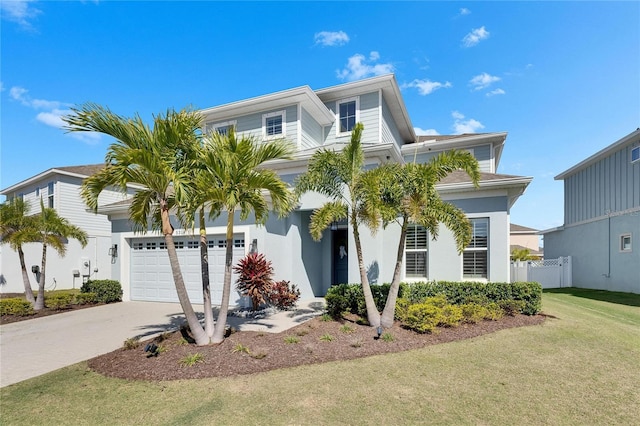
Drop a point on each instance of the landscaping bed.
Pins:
(317, 341)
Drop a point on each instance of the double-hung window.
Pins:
(348, 115)
(273, 125)
(50, 195)
(222, 128)
(476, 255)
(415, 252)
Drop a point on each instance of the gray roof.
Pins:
(520, 228)
(77, 171)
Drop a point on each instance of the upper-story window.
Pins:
(222, 127)
(635, 154)
(50, 195)
(273, 124)
(348, 114)
(37, 191)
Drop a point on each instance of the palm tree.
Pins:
(236, 179)
(54, 231)
(159, 161)
(409, 195)
(340, 176)
(16, 229)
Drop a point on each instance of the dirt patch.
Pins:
(315, 341)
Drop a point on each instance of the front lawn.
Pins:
(579, 367)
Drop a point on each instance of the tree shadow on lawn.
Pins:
(629, 299)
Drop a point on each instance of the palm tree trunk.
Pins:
(373, 316)
(388, 313)
(221, 323)
(40, 299)
(28, 293)
(206, 284)
(197, 331)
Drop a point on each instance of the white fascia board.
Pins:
(391, 92)
(629, 139)
(497, 139)
(300, 95)
(550, 230)
(42, 176)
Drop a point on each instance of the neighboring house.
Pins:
(601, 230)
(525, 238)
(323, 119)
(59, 188)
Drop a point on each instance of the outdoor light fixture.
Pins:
(152, 348)
(379, 331)
(254, 246)
(334, 226)
(113, 250)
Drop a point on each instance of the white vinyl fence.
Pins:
(550, 273)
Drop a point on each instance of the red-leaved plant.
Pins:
(282, 295)
(254, 278)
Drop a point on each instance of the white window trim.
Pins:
(404, 260)
(51, 198)
(215, 126)
(477, 249)
(637, 148)
(621, 247)
(343, 101)
(283, 113)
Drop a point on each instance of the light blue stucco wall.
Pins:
(597, 261)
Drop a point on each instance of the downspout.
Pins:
(608, 274)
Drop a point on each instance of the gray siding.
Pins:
(311, 132)
(251, 125)
(608, 186)
(597, 260)
(481, 153)
(369, 117)
(390, 133)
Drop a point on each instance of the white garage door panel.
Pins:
(152, 278)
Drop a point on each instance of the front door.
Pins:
(340, 257)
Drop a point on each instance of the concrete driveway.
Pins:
(37, 346)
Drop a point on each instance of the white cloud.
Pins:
(357, 67)
(464, 11)
(461, 125)
(475, 36)
(496, 92)
(331, 38)
(482, 81)
(426, 87)
(52, 114)
(425, 132)
(20, 94)
(20, 12)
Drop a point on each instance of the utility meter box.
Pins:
(85, 266)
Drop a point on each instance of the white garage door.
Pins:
(151, 277)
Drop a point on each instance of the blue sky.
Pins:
(562, 78)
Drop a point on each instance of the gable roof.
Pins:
(633, 137)
(519, 229)
(74, 171)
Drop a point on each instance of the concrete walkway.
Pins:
(34, 347)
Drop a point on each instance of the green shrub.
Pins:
(84, 298)
(494, 312)
(58, 300)
(422, 317)
(473, 313)
(450, 316)
(402, 305)
(15, 306)
(511, 307)
(106, 291)
(350, 298)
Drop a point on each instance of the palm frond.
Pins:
(322, 217)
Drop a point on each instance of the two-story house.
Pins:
(59, 188)
(315, 119)
(601, 228)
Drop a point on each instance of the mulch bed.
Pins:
(8, 319)
(268, 351)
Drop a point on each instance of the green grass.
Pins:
(579, 367)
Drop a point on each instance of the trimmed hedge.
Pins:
(527, 295)
(15, 306)
(106, 291)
